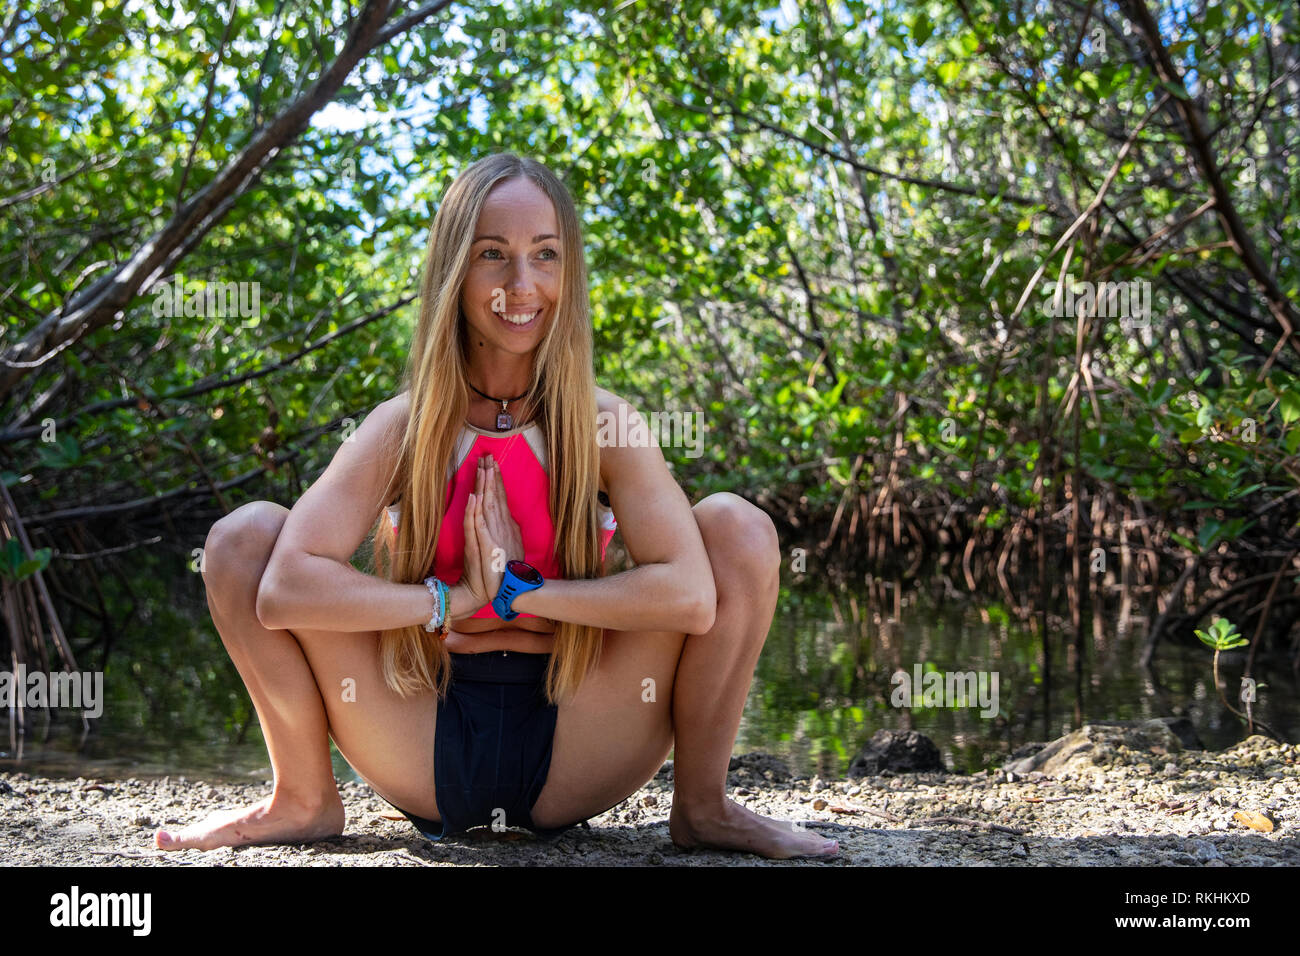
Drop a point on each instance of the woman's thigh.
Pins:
(616, 731)
(386, 738)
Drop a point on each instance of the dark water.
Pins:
(823, 685)
(176, 705)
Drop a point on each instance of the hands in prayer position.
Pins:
(492, 536)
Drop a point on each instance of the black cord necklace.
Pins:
(504, 421)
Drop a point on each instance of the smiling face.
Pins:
(513, 283)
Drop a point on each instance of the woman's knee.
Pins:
(239, 545)
(740, 532)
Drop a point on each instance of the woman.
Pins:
(455, 705)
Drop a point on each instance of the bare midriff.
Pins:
(496, 637)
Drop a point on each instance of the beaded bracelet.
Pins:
(438, 621)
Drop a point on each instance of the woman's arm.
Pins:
(672, 587)
(309, 581)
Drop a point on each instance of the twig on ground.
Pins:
(965, 822)
(408, 855)
(1047, 799)
(850, 808)
(128, 855)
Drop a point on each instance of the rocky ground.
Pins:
(1105, 798)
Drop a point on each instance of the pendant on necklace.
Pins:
(504, 421)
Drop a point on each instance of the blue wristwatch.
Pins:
(519, 578)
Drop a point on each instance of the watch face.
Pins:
(524, 572)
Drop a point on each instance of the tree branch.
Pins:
(1198, 144)
(106, 301)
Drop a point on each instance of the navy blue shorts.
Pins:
(492, 744)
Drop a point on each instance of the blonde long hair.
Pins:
(564, 384)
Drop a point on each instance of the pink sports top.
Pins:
(520, 455)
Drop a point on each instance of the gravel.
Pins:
(1138, 809)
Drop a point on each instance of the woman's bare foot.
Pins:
(735, 828)
(273, 820)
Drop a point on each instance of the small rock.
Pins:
(820, 804)
(899, 752)
(655, 858)
(649, 800)
(1103, 745)
(761, 765)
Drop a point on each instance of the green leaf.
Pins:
(1208, 533)
(1176, 89)
(922, 28)
(1290, 405)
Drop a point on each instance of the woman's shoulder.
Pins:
(616, 457)
(609, 402)
(606, 404)
(613, 410)
(392, 414)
